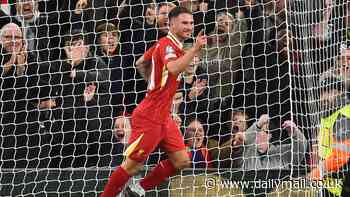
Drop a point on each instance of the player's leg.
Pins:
(143, 140)
(120, 177)
(178, 159)
(173, 143)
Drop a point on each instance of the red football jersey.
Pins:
(162, 85)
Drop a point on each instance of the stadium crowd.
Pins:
(69, 81)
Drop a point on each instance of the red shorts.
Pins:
(146, 136)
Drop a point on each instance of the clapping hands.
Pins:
(89, 92)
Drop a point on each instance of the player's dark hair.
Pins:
(175, 12)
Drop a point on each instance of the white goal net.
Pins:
(256, 107)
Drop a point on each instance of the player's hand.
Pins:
(264, 119)
(201, 40)
(144, 67)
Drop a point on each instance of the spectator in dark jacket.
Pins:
(138, 31)
(87, 15)
(194, 88)
(82, 85)
(261, 58)
(20, 137)
(125, 88)
(41, 30)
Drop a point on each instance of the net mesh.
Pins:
(249, 106)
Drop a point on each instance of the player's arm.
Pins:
(143, 64)
(179, 65)
(144, 67)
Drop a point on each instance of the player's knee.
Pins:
(182, 164)
(132, 167)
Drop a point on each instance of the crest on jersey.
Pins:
(169, 52)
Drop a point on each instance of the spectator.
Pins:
(321, 30)
(177, 101)
(122, 131)
(328, 33)
(194, 140)
(343, 67)
(14, 45)
(222, 54)
(40, 30)
(122, 73)
(177, 120)
(81, 83)
(193, 85)
(108, 40)
(263, 62)
(19, 92)
(198, 8)
(86, 15)
(193, 76)
(137, 28)
(137, 34)
(106, 8)
(228, 154)
(260, 153)
(278, 79)
(162, 18)
(6, 18)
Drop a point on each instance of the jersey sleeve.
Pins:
(148, 54)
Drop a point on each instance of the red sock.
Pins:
(116, 183)
(159, 173)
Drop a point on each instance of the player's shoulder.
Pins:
(164, 41)
(168, 45)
